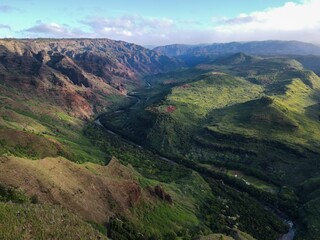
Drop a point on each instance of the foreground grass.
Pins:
(42, 222)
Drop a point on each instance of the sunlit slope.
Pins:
(291, 116)
(279, 103)
(192, 103)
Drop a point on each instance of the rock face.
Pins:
(77, 74)
(160, 193)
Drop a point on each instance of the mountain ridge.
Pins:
(269, 47)
(77, 72)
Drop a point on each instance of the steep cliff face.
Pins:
(77, 74)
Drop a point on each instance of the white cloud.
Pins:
(53, 30)
(297, 20)
(130, 27)
(291, 21)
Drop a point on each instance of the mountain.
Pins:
(175, 49)
(311, 62)
(237, 59)
(76, 74)
(255, 48)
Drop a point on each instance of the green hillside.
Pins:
(240, 118)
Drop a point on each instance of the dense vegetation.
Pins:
(268, 107)
(182, 179)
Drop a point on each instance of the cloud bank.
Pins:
(54, 30)
(129, 26)
(300, 21)
(292, 21)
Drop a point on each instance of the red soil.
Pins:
(171, 109)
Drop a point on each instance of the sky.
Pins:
(163, 22)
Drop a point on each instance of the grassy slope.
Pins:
(21, 217)
(56, 180)
(37, 121)
(214, 90)
(34, 128)
(291, 117)
(42, 222)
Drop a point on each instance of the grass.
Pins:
(42, 222)
(213, 91)
(58, 135)
(10, 194)
(285, 109)
(41, 119)
(22, 217)
(165, 219)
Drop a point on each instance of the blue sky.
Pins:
(149, 22)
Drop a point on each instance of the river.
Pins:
(291, 233)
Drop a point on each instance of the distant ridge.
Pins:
(272, 47)
(77, 74)
(238, 58)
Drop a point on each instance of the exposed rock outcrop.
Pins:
(159, 192)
